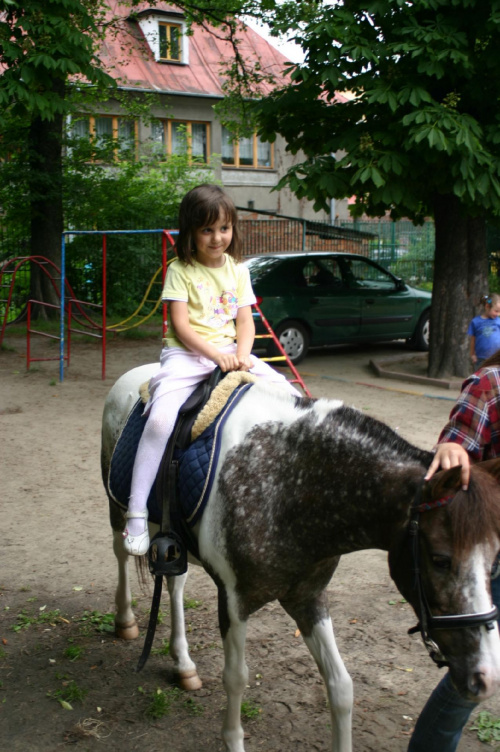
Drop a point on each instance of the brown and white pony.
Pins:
(299, 483)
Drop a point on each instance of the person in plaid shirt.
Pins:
(472, 434)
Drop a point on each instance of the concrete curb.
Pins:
(385, 368)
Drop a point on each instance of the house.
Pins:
(151, 52)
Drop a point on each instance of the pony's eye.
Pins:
(495, 569)
(441, 562)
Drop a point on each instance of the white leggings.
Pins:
(181, 372)
(159, 425)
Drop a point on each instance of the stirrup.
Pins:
(167, 555)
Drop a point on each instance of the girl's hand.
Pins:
(226, 361)
(245, 362)
(449, 455)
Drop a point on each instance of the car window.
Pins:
(322, 272)
(261, 267)
(366, 275)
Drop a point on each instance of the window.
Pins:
(167, 35)
(246, 152)
(170, 41)
(108, 130)
(181, 136)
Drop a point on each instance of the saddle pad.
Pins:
(196, 464)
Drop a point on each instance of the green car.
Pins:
(315, 299)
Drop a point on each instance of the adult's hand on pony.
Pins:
(450, 455)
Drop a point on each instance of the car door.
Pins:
(387, 306)
(329, 306)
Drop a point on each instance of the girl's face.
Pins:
(493, 310)
(212, 241)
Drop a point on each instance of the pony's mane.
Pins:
(475, 513)
(353, 426)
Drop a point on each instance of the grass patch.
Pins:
(487, 727)
(161, 701)
(98, 621)
(250, 710)
(191, 603)
(69, 693)
(164, 649)
(25, 620)
(73, 652)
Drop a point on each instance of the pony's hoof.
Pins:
(189, 681)
(128, 631)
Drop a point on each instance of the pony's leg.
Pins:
(125, 624)
(323, 648)
(235, 678)
(184, 667)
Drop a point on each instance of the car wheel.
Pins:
(294, 340)
(420, 337)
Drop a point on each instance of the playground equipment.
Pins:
(69, 302)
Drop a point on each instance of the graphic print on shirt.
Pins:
(217, 309)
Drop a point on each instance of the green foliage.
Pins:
(487, 727)
(421, 112)
(42, 43)
(70, 692)
(161, 701)
(100, 622)
(25, 620)
(250, 710)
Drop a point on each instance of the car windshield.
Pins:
(261, 266)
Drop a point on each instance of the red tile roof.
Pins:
(130, 59)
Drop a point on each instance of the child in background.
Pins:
(484, 330)
(209, 323)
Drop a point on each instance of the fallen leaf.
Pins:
(297, 633)
(65, 705)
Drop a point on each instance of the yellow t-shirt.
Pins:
(213, 297)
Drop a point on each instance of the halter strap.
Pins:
(427, 620)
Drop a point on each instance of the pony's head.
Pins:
(442, 562)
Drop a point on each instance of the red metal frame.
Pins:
(271, 335)
(30, 331)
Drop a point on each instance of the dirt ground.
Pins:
(58, 576)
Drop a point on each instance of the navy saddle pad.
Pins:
(196, 464)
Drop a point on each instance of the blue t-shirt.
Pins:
(487, 334)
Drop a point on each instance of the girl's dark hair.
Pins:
(201, 207)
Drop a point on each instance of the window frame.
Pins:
(255, 161)
(167, 136)
(115, 124)
(168, 26)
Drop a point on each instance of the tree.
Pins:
(42, 44)
(418, 129)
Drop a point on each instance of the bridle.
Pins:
(427, 620)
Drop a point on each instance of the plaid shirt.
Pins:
(475, 419)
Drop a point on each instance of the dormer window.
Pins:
(170, 41)
(166, 34)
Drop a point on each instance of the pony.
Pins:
(299, 483)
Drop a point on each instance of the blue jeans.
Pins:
(445, 713)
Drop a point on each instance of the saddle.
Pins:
(167, 553)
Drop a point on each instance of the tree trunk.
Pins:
(45, 188)
(460, 278)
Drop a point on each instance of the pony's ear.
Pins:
(492, 467)
(444, 483)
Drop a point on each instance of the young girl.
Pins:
(209, 323)
(484, 330)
